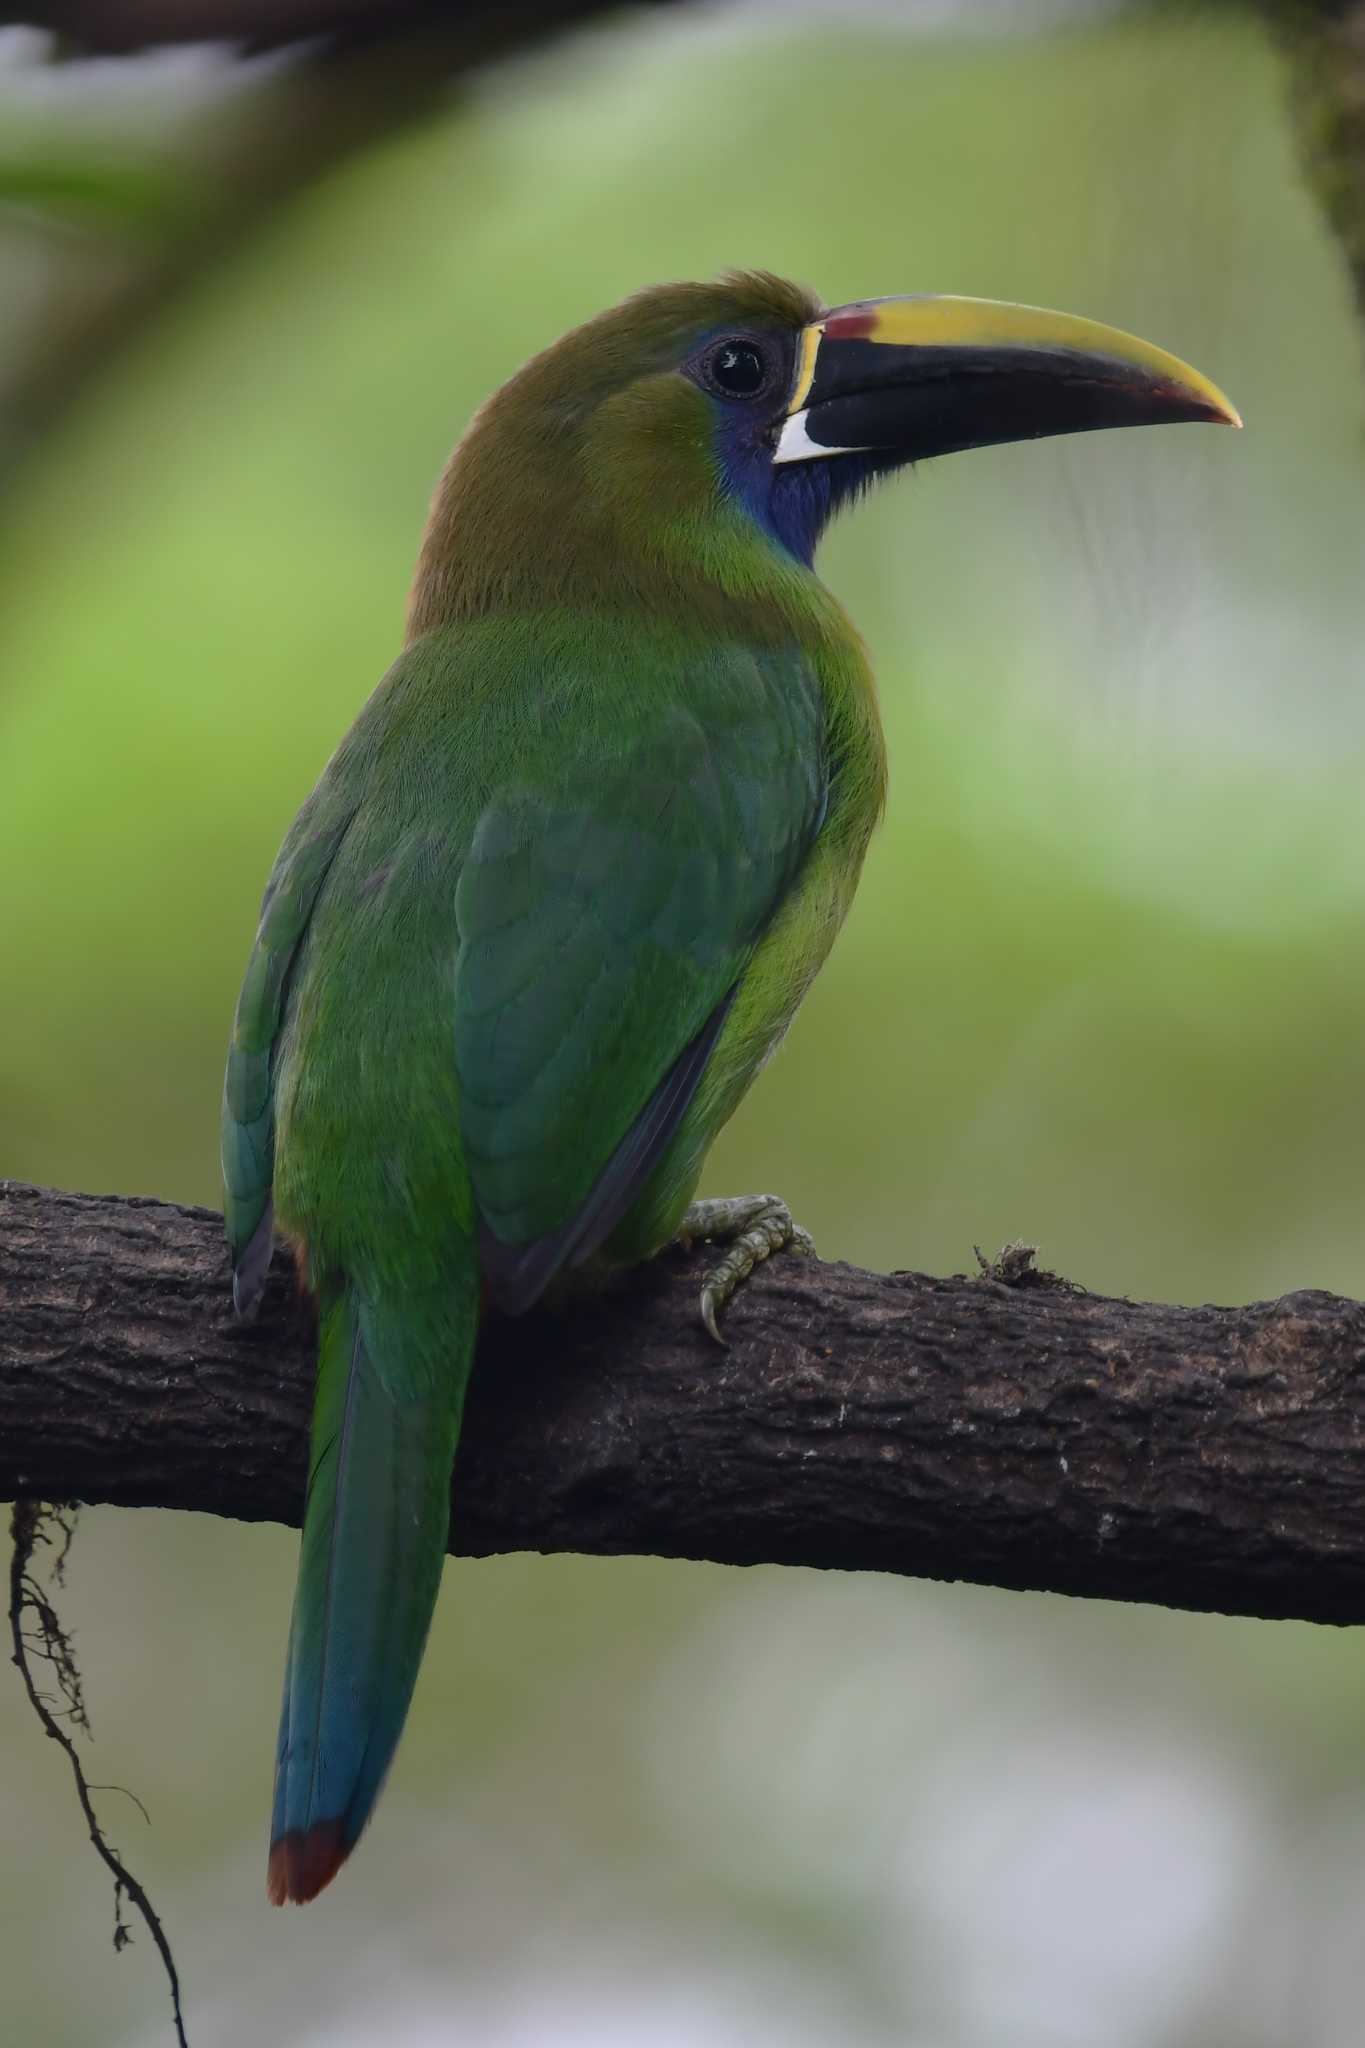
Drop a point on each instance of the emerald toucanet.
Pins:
(563, 884)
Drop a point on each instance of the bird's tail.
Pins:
(391, 1383)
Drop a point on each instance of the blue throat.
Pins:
(792, 502)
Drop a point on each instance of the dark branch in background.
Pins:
(1014, 1431)
(117, 27)
(368, 69)
(1324, 41)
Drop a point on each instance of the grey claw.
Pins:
(708, 1316)
(755, 1226)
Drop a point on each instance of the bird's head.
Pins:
(695, 416)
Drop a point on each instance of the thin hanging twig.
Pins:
(32, 1523)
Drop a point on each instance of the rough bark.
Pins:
(1018, 1432)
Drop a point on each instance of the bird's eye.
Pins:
(737, 369)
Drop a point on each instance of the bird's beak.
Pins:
(915, 377)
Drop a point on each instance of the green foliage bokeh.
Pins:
(1104, 984)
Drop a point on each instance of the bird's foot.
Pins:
(754, 1226)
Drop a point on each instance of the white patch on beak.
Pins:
(794, 444)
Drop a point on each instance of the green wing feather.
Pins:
(248, 1122)
(606, 910)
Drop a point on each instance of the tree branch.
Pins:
(1324, 42)
(357, 71)
(1021, 1434)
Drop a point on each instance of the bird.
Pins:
(560, 889)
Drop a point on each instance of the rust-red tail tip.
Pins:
(304, 1862)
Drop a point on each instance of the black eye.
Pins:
(737, 369)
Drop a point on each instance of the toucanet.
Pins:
(563, 884)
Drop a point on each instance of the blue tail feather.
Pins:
(374, 1538)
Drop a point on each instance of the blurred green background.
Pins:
(1104, 986)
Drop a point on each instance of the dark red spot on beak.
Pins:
(854, 325)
